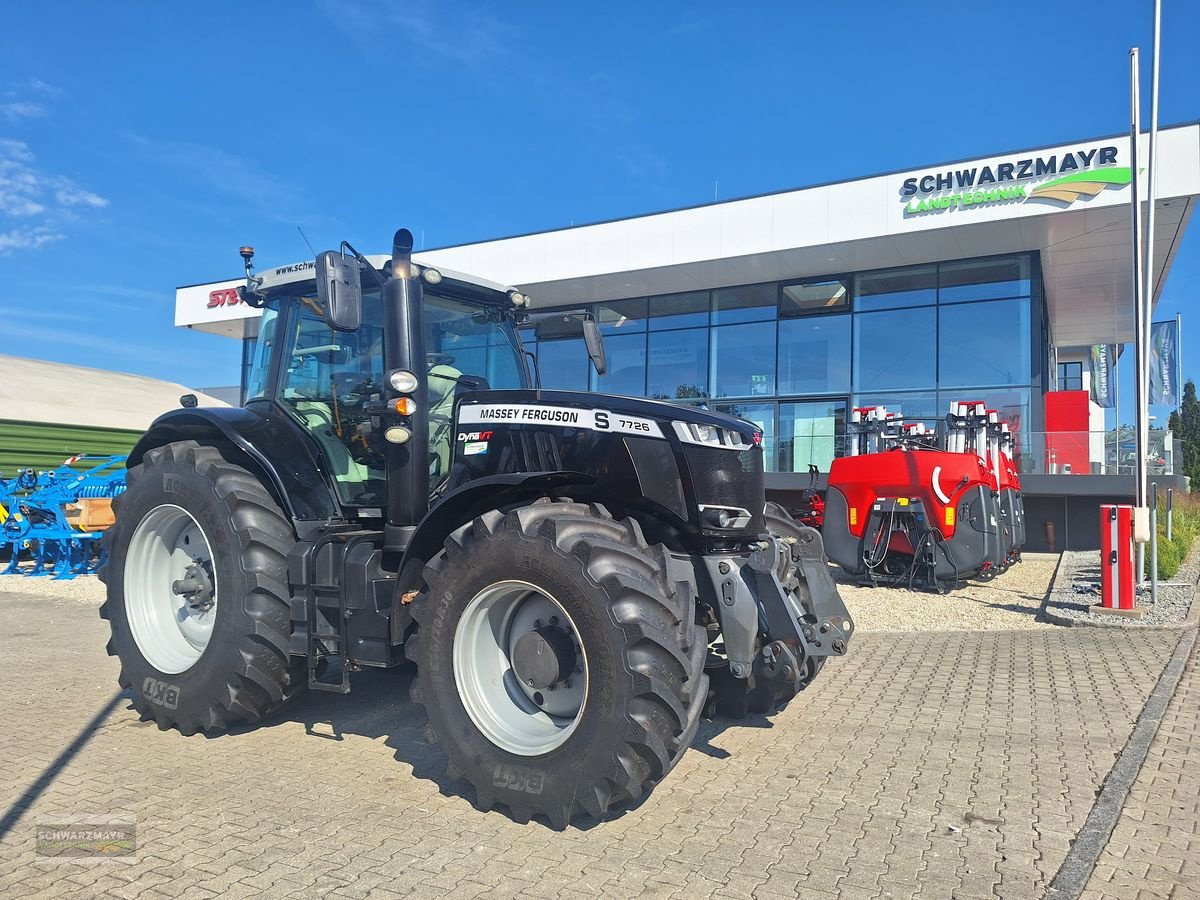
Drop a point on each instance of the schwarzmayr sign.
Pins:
(1079, 173)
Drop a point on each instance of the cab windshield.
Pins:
(329, 376)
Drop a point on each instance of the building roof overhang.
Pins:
(1067, 202)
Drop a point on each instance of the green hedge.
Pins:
(1184, 531)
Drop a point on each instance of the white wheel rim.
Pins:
(170, 631)
(512, 714)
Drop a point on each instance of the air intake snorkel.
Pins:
(404, 342)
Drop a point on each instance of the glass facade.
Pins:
(795, 356)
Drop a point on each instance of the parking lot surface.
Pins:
(1154, 850)
(950, 764)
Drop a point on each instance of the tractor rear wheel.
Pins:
(559, 667)
(197, 592)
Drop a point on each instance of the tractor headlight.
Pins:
(432, 276)
(698, 433)
(710, 436)
(403, 382)
(517, 298)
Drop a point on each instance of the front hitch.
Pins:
(809, 590)
(778, 607)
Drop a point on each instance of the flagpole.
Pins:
(1151, 189)
(1148, 275)
(1116, 388)
(1141, 513)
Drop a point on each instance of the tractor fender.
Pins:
(265, 442)
(478, 496)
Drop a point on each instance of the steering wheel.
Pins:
(350, 383)
(438, 359)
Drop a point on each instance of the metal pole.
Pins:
(1152, 176)
(1170, 512)
(1154, 543)
(1151, 200)
(1113, 380)
(1141, 412)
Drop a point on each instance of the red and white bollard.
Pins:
(1118, 587)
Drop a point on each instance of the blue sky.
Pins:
(141, 144)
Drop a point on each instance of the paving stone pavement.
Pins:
(954, 764)
(1154, 850)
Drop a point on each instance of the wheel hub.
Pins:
(543, 657)
(520, 668)
(196, 587)
(171, 592)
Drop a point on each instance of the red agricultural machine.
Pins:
(915, 506)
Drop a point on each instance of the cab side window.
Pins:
(328, 378)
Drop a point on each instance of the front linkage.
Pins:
(780, 612)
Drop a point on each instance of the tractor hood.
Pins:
(608, 413)
(701, 467)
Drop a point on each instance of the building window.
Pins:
(804, 298)
(679, 311)
(1070, 376)
(983, 343)
(748, 303)
(814, 355)
(985, 279)
(894, 288)
(678, 364)
(622, 316)
(743, 360)
(895, 350)
(626, 356)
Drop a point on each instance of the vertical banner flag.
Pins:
(1164, 359)
(1103, 385)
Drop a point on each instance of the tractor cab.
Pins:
(331, 381)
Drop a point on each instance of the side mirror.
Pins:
(339, 290)
(595, 345)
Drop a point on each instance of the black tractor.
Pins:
(577, 577)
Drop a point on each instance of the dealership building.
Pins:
(986, 279)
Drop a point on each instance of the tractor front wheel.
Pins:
(559, 668)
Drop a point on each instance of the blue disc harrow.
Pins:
(34, 524)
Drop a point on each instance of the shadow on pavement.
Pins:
(379, 707)
(29, 796)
